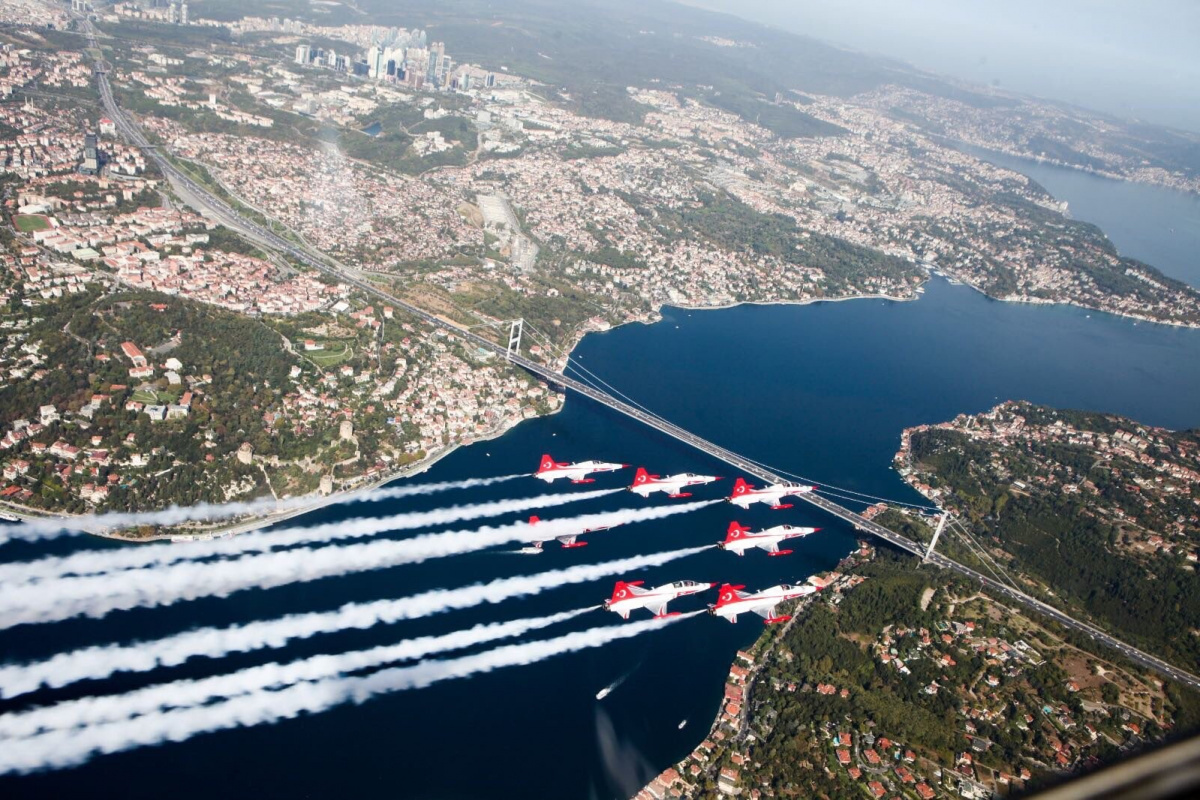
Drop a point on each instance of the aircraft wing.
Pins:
(765, 611)
(658, 607)
(771, 546)
(567, 540)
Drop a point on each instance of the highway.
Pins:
(219, 210)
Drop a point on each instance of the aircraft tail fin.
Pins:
(736, 531)
(728, 594)
(624, 590)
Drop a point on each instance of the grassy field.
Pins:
(28, 223)
(334, 354)
(149, 398)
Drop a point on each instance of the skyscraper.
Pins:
(91, 155)
(303, 54)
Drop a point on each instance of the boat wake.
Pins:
(607, 690)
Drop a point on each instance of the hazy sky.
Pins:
(1135, 58)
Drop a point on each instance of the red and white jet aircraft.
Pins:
(732, 601)
(551, 470)
(631, 596)
(772, 494)
(567, 540)
(644, 483)
(739, 539)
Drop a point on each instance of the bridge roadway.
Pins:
(229, 217)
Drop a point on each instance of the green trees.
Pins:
(733, 225)
(1059, 538)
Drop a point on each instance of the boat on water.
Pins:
(603, 693)
(682, 724)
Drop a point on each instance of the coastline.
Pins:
(732, 723)
(259, 522)
(1119, 177)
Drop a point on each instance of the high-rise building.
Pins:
(91, 155)
(303, 54)
(490, 80)
(183, 14)
(433, 70)
(374, 55)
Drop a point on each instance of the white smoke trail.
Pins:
(95, 562)
(201, 512)
(97, 595)
(63, 748)
(189, 693)
(93, 663)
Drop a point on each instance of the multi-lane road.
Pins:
(222, 212)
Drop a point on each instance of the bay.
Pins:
(822, 391)
(1154, 224)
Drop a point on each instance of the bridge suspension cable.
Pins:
(984, 553)
(978, 550)
(866, 501)
(587, 376)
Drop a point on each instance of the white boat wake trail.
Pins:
(612, 687)
(177, 515)
(98, 595)
(97, 662)
(71, 746)
(96, 562)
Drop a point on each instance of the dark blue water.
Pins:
(374, 129)
(1153, 224)
(822, 390)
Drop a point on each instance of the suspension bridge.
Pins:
(223, 212)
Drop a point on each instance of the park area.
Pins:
(28, 223)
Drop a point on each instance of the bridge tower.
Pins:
(516, 328)
(936, 533)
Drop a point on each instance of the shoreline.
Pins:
(268, 519)
(559, 364)
(1042, 160)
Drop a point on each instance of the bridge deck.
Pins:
(228, 216)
